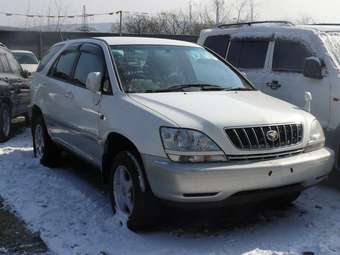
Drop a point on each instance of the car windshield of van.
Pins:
(332, 42)
(25, 58)
(152, 69)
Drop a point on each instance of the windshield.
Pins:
(150, 69)
(25, 58)
(332, 42)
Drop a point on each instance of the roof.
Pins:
(118, 40)
(22, 51)
(271, 28)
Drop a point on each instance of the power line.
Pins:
(8, 14)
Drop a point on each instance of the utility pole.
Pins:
(84, 27)
(120, 22)
(252, 11)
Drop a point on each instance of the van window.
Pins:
(218, 44)
(289, 56)
(63, 67)
(248, 53)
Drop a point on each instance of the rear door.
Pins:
(250, 55)
(58, 97)
(218, 44)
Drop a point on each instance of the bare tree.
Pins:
(218, 6)
(305, 19)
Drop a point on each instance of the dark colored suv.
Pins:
(14, 92)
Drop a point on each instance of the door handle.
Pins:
(273, 85)
(69, 95)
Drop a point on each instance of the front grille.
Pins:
(265, 156)
(256, 138)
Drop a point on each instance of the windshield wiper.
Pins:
(239, 89)
(204, 87)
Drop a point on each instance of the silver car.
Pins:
(169, 121)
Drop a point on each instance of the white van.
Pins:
(286, 61)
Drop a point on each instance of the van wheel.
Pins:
(44, 148)
(284, 201)
(136, 209)
(5, 122)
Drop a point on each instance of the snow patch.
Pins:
(74, 216)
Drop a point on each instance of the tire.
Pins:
(143, 211)
(5, 122)
(284, 201)
(44, 148)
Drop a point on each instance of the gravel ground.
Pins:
(15, 238)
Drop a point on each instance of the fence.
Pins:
(39, 42)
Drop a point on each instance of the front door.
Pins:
(287, 82)
(19, 88)
(83, 113)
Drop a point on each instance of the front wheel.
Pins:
(44, 148)
(135, 207)
(5, 122)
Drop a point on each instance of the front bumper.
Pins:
(214, 182)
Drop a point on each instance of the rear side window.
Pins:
(64, 66)
(248, 53)
(51, 52)
(87, 63)
(218, 43)
(289, 56)
(5, 67)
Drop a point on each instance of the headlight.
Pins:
(316, 138)
(186, 145)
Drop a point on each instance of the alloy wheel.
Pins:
(123, 191)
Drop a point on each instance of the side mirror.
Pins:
(313, 68)
(93, 81)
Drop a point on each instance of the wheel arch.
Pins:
(116, 143)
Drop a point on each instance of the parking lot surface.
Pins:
(70, 210)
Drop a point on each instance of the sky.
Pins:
(320, 11)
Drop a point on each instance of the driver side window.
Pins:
(91, 59)
(289, 56)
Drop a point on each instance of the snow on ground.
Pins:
(73, 216)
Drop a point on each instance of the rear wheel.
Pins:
(5, 122)
(44, 148)
(136, 208)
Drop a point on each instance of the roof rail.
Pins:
(281, 22)
(324, 24)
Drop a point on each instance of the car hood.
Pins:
(221, 109)
(30, 67)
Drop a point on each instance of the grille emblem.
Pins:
(272, 135)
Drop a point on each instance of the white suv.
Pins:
(285, 61)
(170, 121)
